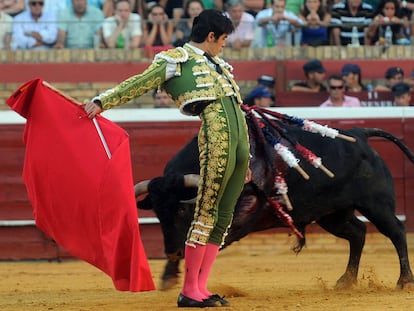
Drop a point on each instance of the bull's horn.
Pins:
(191, 180)
(141, 187)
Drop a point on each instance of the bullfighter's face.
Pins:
(215, 46)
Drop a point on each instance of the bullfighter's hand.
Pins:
(92, 109)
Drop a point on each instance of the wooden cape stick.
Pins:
(95, 122)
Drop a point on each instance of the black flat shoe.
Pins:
(219, 299)
(186, 302)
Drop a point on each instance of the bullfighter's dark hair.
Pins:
(210, 21)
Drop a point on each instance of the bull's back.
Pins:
(360, 175)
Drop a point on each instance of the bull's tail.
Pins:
(375, 132)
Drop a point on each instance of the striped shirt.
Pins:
(342, 17)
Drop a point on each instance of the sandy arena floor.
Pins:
(261, 280)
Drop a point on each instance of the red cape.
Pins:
(81, 198)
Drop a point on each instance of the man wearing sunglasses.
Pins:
(34, 28)
(337, 97)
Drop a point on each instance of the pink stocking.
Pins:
(193, 259)
(209, 258)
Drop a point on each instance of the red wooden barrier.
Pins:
(110, 72)
(284, 70)
(153, 143)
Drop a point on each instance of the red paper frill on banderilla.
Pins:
(81, 198)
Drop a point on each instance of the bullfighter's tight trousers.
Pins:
(224, 156)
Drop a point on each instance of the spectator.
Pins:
(52, 6)
(411, 80)
(255, 6)
(337, 97)
(315, 76)
(351, 73)
(316, 21)
(99, 4)
(294, 6)
(158, 30)
(162, 99)
(393, 75)
(402, 94)
(108, 7)
(174, 9)
(123, 30)
(388, 14)
(213, 4)
(6, 22)
(143, 6)
(269, 83)
(243, 23)
(34, 28)
(374, 3)
(407, 10)
(276, 25)
(183, 30)
(14, 7)
(347, 14)
(266, 81)
(78, 26)
(259, 96)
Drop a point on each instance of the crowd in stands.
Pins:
(43, 24)
(158, 25)
(340, 87)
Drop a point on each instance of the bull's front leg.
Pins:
(171, 273)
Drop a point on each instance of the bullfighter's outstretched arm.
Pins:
(134, 86)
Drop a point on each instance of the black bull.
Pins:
(362, 182)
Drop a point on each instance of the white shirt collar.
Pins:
(195, 49)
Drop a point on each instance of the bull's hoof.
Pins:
(168, 283)
(343, 286)
(186, 302)
(409, 287)
(406, 283)
(345, 283)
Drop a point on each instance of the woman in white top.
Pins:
(124, 29)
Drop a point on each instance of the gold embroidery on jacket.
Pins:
(135, 86)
